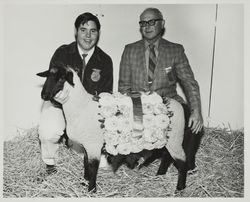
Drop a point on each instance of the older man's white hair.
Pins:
(155, 10)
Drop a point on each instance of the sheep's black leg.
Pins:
(166, 160)
(86, 168)
(90, 170)
(191, 145)
(182, 174)
(66, 139)
(191, 141)
(147, 161)
(149, 156)
(93, 165)
(116, 161)
(86, 163)
(132, 160)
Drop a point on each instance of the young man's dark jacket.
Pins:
(69, 55)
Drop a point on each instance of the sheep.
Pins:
(83, 127)
(81, 114)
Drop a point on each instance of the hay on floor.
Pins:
(220, 172)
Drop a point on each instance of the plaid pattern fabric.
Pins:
(172, 67)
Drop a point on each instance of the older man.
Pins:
(155, 64)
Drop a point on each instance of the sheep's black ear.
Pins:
(69, 78)
(43, 74)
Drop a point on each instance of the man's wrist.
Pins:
(195, 110)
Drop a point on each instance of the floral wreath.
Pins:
(123, 134)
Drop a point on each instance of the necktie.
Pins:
(83, 65)
(151, 63)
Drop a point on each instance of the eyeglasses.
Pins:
(150, 22)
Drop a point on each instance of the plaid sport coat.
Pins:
(172, 67)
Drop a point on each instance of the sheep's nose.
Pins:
(45, 97)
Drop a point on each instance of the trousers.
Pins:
(50, 128)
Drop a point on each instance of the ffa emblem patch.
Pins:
(95, 76)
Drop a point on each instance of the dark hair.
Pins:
(85, 17)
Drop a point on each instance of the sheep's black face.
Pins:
(56, 78)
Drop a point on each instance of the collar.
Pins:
(156, 43)
(90, 53)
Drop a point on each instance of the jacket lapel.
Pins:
(75, 58)
(163, 56)
(94, 61)
(142, 58)
(159, 59)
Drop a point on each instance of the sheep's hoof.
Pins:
(93, 190)
(178, 193)
(191, 165)
(92, 187)
(180, 187)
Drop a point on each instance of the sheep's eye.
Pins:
(53, 70)
(62, 79)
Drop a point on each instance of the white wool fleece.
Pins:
(81, 114)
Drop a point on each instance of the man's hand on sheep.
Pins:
(195, 121)
(62, 96)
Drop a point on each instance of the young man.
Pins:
(94, 67)
(155, 64)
